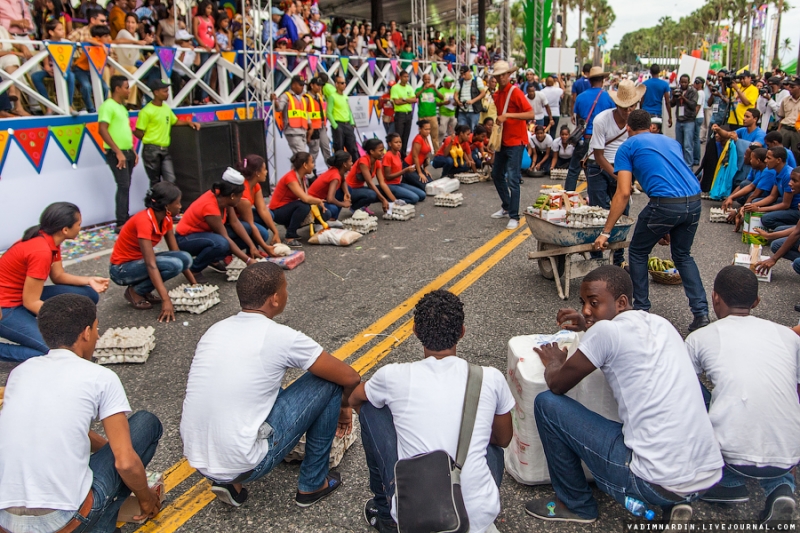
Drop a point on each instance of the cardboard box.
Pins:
(130, 507)
(746, 261)
(551, 215)
(751, 222)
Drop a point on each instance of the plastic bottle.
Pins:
(638, 508)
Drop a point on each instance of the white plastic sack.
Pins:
(524, 457)
(441, 186)
(335, 237)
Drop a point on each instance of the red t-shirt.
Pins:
(319, 189)
(32, 258)
(515, 131)
(478, 145)
(142, 225)
(355, 178)
(246, 194)
(392, 163)
(282, 194)
(426, 149)
(194, 219)
(397, 39)
(444, 149)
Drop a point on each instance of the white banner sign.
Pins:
(693, 67)
(559, 60)
(359, 105)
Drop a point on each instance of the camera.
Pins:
(726, 80)
(765, 91)
(713, 88)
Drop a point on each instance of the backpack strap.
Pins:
(469, 412)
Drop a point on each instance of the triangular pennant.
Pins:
(378, 108)
(361, 152)
(415, 64)
(270, 60)
(240, 112)
(98, 55)
(229, 56)
(33, 142)
(345, 61)
(5, 137)
(475, 70)
(250, 111)
(69, 139)
(393, 62)
(279, 122)
(205, 116)
(450, 67)
(226, 114)
(370, 107)
(166, 56)
(371, 63)
(434, 67)
(187, 118)
(61, 55)
(94, 130)
(136, 139)
(313, 60)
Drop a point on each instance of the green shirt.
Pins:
(156, 122)
(328, 90)
(119, 124)
(406, 55)
(402, 91)
(447, 110)
(339, 109)
(427, 103)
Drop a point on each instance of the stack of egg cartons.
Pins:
(361, 222)
(441, 186)
(401, 212)
(339, 446)
(194, 298)
(125, 345)
(720, 215)
(453, 199)
(468, 177)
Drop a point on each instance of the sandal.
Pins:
(141, 304)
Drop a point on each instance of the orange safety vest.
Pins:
(298, 117)
(318, 116)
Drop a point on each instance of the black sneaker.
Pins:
(720, 494)
(332, 482)
(554, 511)
(219, 266)
(226, 493)
(780, 506)
(680, 514)
(699, 322)
(375, 521)
(797, 307)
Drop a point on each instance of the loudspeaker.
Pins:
(200, 157)
(250, 138)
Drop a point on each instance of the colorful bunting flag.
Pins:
(313, 60)
(205, 116)
(271, 60)
(33, 142)
(226, 114)
(69, 139)
(240, 112)
(98, 55)
(415, 65)
(371, 63)
(378, 107)
(166, 56)
(345, 61)
(475, 70)
(393, 62)
(229, 56)
(434, 67)
(5, 137)
(187, 118)
(94, 130)
(61, 55)
(370, 107)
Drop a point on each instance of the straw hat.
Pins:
(501, 67)
(627, 94)
(597, 72)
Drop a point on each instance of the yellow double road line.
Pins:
(177, 513)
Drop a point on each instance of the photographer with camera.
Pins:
(719, 102)
(788, 114)
(769, 100)
(746, 95)
(684, 101)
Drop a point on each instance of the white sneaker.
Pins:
(335, 224)
(512, 224)
(500, 214)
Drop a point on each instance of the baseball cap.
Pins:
(158, 84)
(792, 81)
(746, 74)
(775, 80)
(464, 68)
(276, 11)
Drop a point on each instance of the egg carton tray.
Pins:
(235, 268)
(448, 199)
(468, 177)
(561, 174)
(720, 215)
(361, 224)
(401, 212)
(194, 299)
(125, 345)
(339, 446)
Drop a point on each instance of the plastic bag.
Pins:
(335, 237)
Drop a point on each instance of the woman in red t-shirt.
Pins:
(252, 209)
(391, 181)
(418, 158)
(363, 191)
(136, 265)
(23, 270)
(290, 203)
(329, 183)
(477, 145)
(202, 230)
(444, 160)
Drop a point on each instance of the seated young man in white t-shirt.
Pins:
(238, 423)
(754, 365)
(411, 408)
(55, 473)
(539, 143)
(664, 453)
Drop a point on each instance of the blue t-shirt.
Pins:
(764, 180)
(782, 181)
(584, 102)
(656, 162)
(653, 99)
(757, 136)
(790, 160)
(580, 85)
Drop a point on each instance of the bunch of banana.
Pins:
(542, 202)
(660, 265)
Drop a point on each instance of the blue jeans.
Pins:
(134, 273)
(792, 255)
(470, 119)
(570, 433)
(38, 82)
(412, 179)
(333, 210)
(506, 175)
(539, 156)
(291, 216)
(308, 406)
(84, 79)
(601, 189)
(264, 232)
(698, 123)
(448, 166)
(684, 134)
(408, 193)
(359, 198)
(206, 248)
(19, 325)
(379, 439)
(581, 149)
(679, 221)
(775, 219)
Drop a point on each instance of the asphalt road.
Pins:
(339, 292)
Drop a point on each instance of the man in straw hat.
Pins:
(513, 111)
(588, 105)
(609, 132)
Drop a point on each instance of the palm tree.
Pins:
(601, 18)
(783, 7)
(581, 5)
(786, 47)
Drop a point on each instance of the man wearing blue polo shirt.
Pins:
(581, 84)
(780, 208)
(672, 215)
(588, 105)
(748, 132)
(657, 91)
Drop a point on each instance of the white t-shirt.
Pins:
(553, 95)
(426, 399)
(664, 419)
(607, 135)
(465, 93)
(538, 102)
(127, 57)
(564, 152)
(754, 365)
(50, 404)
(234, 380)
(542, 146)
(701, 101)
